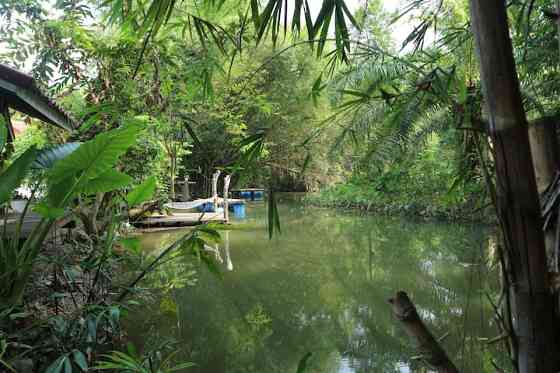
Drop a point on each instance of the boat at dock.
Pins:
(202, 205)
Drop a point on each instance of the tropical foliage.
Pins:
(270, 92)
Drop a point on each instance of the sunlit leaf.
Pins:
(108, 181)
(13, 176)
(142, 192)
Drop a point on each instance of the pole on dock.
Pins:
(215, 177)
(229, 263)
(186, 189)
(226, 203)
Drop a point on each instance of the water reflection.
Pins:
(322, 287)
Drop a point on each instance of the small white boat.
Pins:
(191, 206)
(198, 205)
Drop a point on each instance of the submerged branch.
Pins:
(431, 351)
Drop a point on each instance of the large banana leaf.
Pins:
(14, 175)
(49, 156)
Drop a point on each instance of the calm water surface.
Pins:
(322, 287)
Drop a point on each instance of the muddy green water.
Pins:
(322, 287)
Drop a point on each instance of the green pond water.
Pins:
(322, 287)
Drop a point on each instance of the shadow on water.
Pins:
(322, 287)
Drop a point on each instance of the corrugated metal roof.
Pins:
(22, 93)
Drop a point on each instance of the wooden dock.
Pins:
(179, 220)
(155, 221)
(9, 223)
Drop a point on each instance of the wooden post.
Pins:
(215, 177)
(186, 189)
(429, 348)
(518, 203)
(226, 203)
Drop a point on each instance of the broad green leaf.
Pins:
(80, 360)
(47, 157)
(142, 192)
(59, 192)
(14, 175)
(48, 212)
(96, 156)
(130, 243)
(108, 181)
(67, 365)
(56, 366)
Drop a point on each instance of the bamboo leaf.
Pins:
(322, 24)
(265, 17)
(308, 22)
(255, 13)
(296, 19)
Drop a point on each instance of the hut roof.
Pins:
(22, 93)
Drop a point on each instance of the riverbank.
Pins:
(465, 207)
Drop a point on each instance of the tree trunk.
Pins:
(544, 149)
(518, 204)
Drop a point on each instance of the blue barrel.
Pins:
(239, 210)
(259, 194)
(245, 194)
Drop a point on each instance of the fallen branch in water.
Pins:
(432, 353)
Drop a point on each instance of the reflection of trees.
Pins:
(324, 285)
